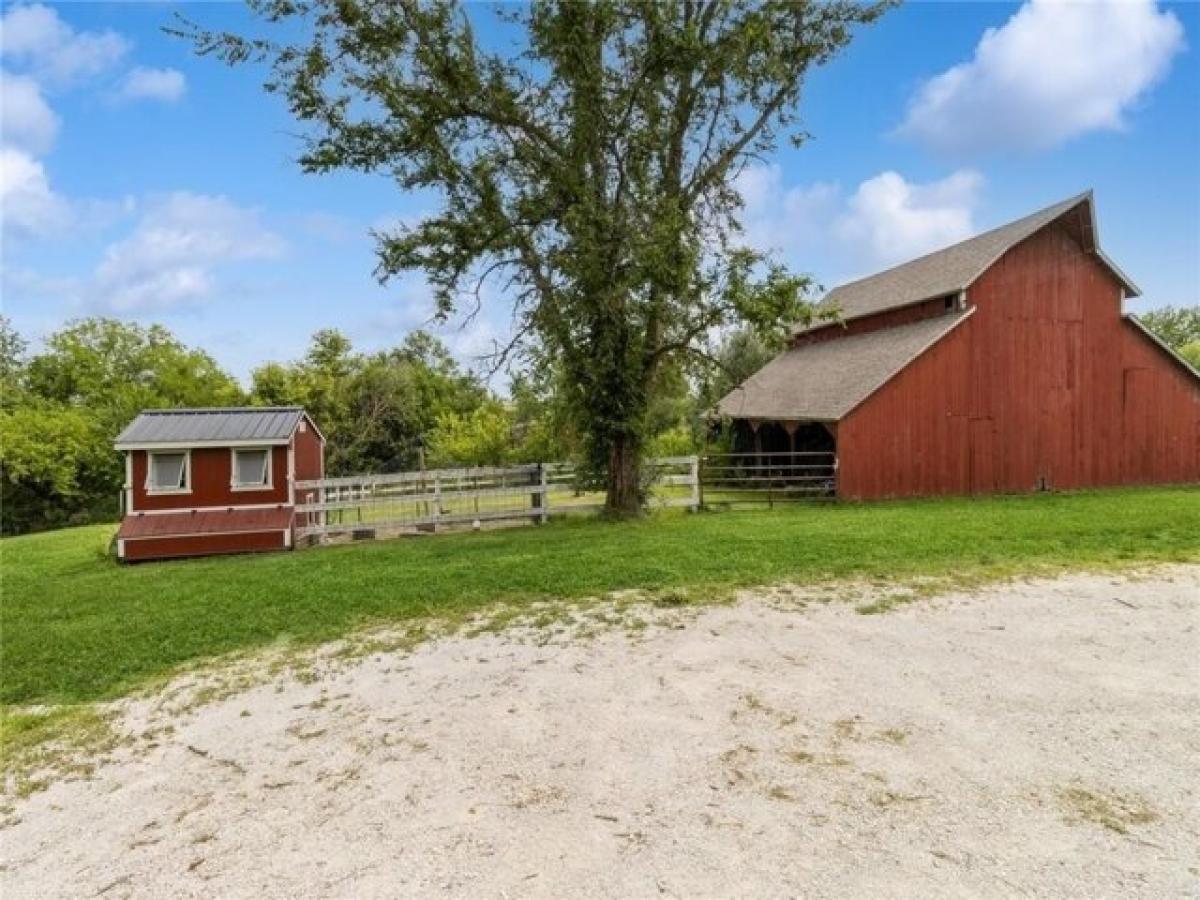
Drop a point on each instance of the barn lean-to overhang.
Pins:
(825, 382)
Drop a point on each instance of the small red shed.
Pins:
(221, 480)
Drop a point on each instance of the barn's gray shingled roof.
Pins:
(188, 427)
(825, 380)
(955, 268)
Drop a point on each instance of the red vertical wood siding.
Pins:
(1045, 384)
(914, 312)
(310, 454)
(211, 471)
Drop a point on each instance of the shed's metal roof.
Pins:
(220, 425)
(825, 380)
(955, 268)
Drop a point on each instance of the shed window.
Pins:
(167, 472)
(252, 468)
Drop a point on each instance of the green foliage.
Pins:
(376, 410)
(115, 369)
(1177, 327)
(543, 421)
(12, 364)
(590, 170)
(63, 408)
(80, 627)
(483, 437)
(677, 441)
(1191, 352)
(56, 464)
(740, 354)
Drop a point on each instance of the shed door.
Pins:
(983, 456)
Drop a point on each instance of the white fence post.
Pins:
(437, 497)
(695, 476)
(545, 493)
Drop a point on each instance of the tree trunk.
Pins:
(624, 496)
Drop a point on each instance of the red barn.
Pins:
(204, 481)
(1005, 363)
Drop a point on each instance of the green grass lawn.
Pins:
(79, 627)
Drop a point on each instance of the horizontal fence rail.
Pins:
(363, 505)
(730, 478)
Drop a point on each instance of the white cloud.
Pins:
(778, 218)
(29, 207)
(42, 291)
(169, 259)
(26, 120)
(1054, 71)
(898, 220)
(34, 35)
(887, 219)
(142, 83)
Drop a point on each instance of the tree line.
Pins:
(392, 410)
(386, 411)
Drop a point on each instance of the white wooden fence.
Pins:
(362, 505)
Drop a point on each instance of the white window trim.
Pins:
(128, 485)
(240, 488)
(151, 490)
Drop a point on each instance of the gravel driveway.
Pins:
(1037, 738)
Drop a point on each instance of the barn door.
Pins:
(982, 435)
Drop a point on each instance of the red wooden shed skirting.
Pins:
(203, 532)
(157, 535)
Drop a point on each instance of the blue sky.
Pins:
(143, 182)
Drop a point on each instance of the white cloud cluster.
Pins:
(33, 35)
(42, 54)
(887, 219)
(1054, 71)
(142, 83)
(30, 207)
(169, 259)
(26, 119)
(171, 256)
(777, 217)
(896, 220)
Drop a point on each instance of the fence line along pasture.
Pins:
(366, 506)
(741, 478)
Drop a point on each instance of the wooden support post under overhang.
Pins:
(754, 426)
(791, 427)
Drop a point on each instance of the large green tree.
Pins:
(115, 369)
(62, 408)
(377, 410)
(590, 166)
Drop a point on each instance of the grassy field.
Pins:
(79, 627)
